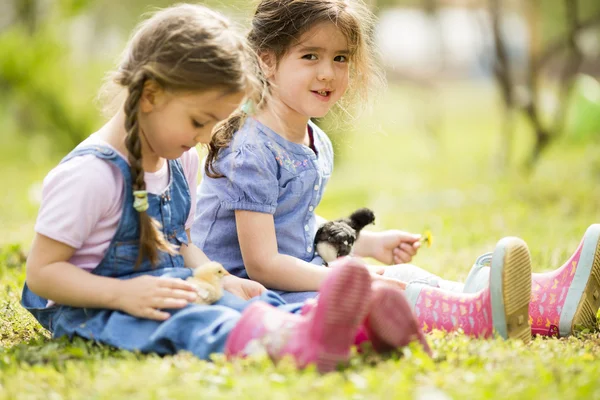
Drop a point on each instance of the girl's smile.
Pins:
(323, 95)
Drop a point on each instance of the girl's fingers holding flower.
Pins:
(408, 248)
(400, 256)
(406, 236)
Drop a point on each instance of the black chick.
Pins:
(336, 238)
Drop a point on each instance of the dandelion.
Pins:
(427, 238)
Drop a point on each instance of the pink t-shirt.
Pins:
(82, 201)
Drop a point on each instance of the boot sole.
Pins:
(391, 322)
(510, 287)
(342, 307)
(583, 298)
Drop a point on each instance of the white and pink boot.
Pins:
(563, 299)
(500, 308)
(568, 297)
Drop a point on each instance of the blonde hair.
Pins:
(184, 47)
(277, 25)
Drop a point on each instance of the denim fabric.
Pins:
(199, 329)
(263, 172)
(296, 297)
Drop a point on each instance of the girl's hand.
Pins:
(395, 247)
(244, 288)
(145, 296)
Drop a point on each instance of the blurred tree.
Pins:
(504, 77)
(46, 90)
(582, 119)
(560, 43)
(556, 29)
(26, 11)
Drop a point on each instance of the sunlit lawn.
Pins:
(445, 180)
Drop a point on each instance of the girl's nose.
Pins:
(326, 72)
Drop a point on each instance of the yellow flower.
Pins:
(427, 238)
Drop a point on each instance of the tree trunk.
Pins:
(504, 78)
(27, 14)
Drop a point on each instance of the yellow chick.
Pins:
(207, 279)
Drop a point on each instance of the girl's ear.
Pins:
(152, 96)
(268, 63)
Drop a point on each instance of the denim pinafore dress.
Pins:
(199, 329)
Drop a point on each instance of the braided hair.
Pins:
(186, 48)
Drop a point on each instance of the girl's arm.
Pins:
(192, 255)
(258, 243)
(51, 276)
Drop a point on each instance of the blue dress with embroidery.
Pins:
(264, 172)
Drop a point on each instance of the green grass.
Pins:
(446, 182)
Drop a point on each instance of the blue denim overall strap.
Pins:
(170, 208)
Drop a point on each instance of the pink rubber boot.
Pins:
(361, 334)
(322, 337)
(390, 321)
(569, 296)
(502, 307)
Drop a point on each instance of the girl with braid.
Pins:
(113, 250)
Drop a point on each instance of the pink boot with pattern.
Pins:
(500, 308)
(322, 337)
(568, 297)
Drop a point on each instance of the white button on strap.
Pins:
(308, 249)
(316, 187)
(306, 227)
(311, 208)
